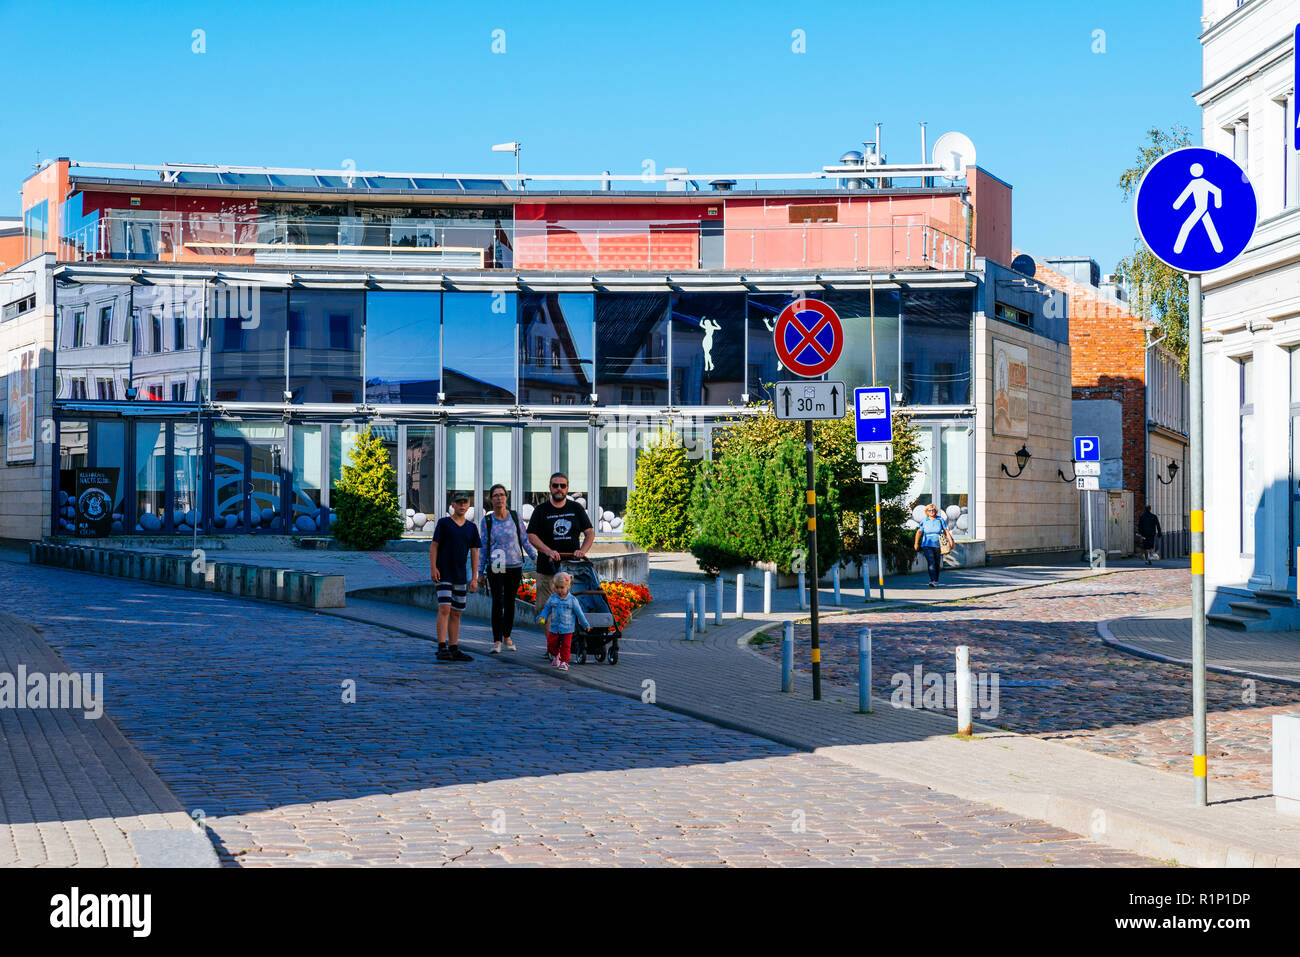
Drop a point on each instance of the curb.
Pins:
(1108, 638)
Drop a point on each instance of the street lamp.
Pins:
(1022, 459)
(511, 148)
(1173, 472)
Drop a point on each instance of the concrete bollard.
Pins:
(835, 583)
(251, 577)
(963, 690)
(803, 591)
(325, 591)
(265, 583)
(740, 595)
(717, 604)
(280, 584)
(690, 614)
(767, 593)
(702, 610)
(864, 670)
(787, 656)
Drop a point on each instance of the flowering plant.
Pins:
(624, 598)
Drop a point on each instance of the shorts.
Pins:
(454, 595)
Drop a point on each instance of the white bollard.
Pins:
(717, 605)
(701, 609)
(690, 614)
(740, 595)
(767, 593)
(963, 690)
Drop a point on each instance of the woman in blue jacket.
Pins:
(929, 539)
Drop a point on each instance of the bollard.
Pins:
(702, 610)
(803, 591)
(690, 614)
(864, 671)
(717, 605)
(963, 690)
(835, 582)
(767, 593)
(787, 656)
(740, 595)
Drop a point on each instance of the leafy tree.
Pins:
(739, 501)
(1157, 292)
(366, 497)
(658, 510)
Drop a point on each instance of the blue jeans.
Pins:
(933, 559)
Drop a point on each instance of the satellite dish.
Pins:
(954, 152)
(1024, 264)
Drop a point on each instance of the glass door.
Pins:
(249, 460)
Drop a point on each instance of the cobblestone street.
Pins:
(240, 709)
(1057, 679)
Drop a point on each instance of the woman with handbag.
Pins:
(504, 544)
(934, 540)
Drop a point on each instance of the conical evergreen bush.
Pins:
(365, 500)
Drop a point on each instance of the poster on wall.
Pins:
(1010, 390)
(95, 491)
(20, 419)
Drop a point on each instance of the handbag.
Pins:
(945, 542)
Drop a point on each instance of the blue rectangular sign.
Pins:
(1295, 109)
(1087, 448)
(873, 414)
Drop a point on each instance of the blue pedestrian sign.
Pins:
(1195, 209)
(873, 417)
(1087, 448)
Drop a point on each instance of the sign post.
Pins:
(873, 424)
(1196, 211)
(809, 339)
(1087, 448)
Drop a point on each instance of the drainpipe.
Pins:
(968, 213)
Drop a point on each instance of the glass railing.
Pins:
(670, 246)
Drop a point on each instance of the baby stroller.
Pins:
(604, 630)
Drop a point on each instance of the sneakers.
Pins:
(564, 666)
(511, 646)
(555, 661)
(496, 650)
(443, 653)
(457, 655)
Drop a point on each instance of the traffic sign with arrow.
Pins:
(807, 400)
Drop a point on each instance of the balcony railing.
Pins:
(167, 237)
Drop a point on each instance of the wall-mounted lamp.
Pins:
(1173, 472)
(1022, 459)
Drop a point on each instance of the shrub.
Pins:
(365, 500)
(658, 510)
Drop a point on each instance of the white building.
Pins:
(1252, 320)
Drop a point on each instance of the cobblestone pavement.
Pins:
(1057, 679)
(239, 707)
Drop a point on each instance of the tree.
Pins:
(1157, 291)
(756, 457)
(365, 499)
(658, 510)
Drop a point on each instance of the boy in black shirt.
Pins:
(455, 543)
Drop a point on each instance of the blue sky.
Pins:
(592, 86)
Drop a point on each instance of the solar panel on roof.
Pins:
(475, 184)
(427, 183)
(186, 176)
(245, 179)
(339, 182)
(292, 179)
(388, 182)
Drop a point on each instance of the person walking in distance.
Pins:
(1149, 529)
(454, 549)
(930, 537)
(504, 545)
(559, 525)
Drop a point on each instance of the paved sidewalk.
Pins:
(715, 678)
(73, 791)
(1167, 636)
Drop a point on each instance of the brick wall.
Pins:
(1108, 361)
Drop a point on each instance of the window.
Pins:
(248, 364)
(402, 351)
(178, 391)
(479, 347)
(79, 328)
(107, 389)
(156, 330)
(560, 327)
(325, 344)
(1011, 314)
(78, 388)
(105, 325)
(631, 330)
(137, 340)
(155, 393)
(937, 347)
(36, 223)
(708, 333)
(340, 331)
(178, 331)
(18, 307)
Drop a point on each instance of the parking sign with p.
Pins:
(1087, 448)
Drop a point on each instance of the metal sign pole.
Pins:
(1087, 502)
(880, 546)
(1197, 452)
(812, 558)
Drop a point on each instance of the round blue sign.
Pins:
(1195, 209)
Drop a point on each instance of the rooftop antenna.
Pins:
(925, 180)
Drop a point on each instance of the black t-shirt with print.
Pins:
(560, 527)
